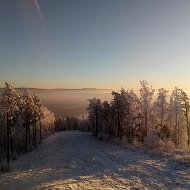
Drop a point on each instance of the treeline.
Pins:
(143, 117)
(72, 123)
(24, 122)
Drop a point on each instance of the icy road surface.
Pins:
(77, 160)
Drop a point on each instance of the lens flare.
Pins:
(39, 13)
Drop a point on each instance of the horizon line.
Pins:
(37, 88)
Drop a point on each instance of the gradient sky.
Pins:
(95, 43)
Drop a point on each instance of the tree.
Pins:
(28, 113)
(179, 106)
(160, 112)
(18, 113)
(135, 118)
(121, 106)
(146, 94)
(36, 116)
(135, 127)
(94, 109)
(10, 101)
(106, 115)
(185, 111)
(47, 121)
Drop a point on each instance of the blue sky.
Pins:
(95, 43)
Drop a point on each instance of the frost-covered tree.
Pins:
(134, 117)
(91, 113)
(106, 115)
(160, 113)
(47, 122)
(28, 111)
(19, 113)
(135, 130)
(121, 106)
(36, 117)
(176, 110)
(179, 106)
(10, 100)
(146, 95)
(94, 109)
(185, 108)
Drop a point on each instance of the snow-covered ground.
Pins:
(77, 160)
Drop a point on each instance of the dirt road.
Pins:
(77, 160)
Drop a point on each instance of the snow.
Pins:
(77, 160)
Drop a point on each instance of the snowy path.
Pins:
(76, 160)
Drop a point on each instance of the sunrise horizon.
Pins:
(96, 44)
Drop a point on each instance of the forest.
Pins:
(24, 123)
(138, 139)
(145, 117)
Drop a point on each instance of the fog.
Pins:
(64, 102)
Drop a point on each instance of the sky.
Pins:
(95, 43)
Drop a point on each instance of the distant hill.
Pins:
(64, 102)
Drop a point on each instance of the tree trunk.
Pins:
(162, 115)
(109, 128)
(33, 135)
(75, 124)
(1, 145)
(40, 133)
(8, 137)
(188, 130)
(29, 139)
(118, 125)
(177, 132)
(93, 126)
(188, 135)
(35, 130)
(146, 124)
(96, 123)
(26, 139)
(11, 145)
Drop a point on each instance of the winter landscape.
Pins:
(131, 142)
(94, 95)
